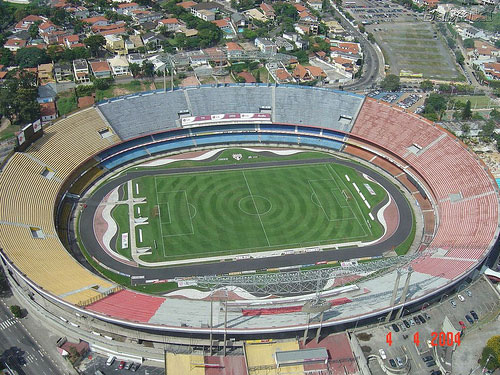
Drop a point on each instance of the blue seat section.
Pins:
(281, 128)
(225, 138)
(123, 146)
(222, 128)
(140, 114)
(306, 129)
(316, 106)
(124, 157)
(332, 133)
(278, 138)
(170, 145)
(170, 134)
(321, 142)
(231, 99)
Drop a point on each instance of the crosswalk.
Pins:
(7, 323)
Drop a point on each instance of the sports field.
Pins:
(239, 211)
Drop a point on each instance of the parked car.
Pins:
(135, 367)
(462, 324)
(400, 362)
(407, 325)
(428, 358)
(427, 316)
(469, 293)
(412, 322)
(474, 315)
(395, 328)
(422, 320)
(110, 360)
(121, 365)
(430, 363)
(453, 303)
(402, 327)
(417, 320)
(460, 298)
(436, 372)
(382, 354)
(392, 362)
(128, 365)
(469, 319)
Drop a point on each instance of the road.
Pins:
(19, 349)
(372, 61)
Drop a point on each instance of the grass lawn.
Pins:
(477, 101)
(233, 212)
(66, 104)
(121, 89)
(120, 215)
(9, 132)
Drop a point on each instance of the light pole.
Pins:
(442, 297)
(403, 314)
(486, 364)
(424, 306)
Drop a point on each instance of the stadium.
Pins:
(431, 195)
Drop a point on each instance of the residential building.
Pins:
(45, 73)
(27, 21)
(266, 45)
(238, 20)
(126, 8)
(153, 40)
(133, 42)
(100, 69)
(315, 4)
(295, 37)
(308, 73)
(283, 43)
(255, 14)
(143, 16)
(96, 21)
(46, 27)
(48, 111)
(170, 24)
(71, 41)
(491, 70)
(119, 65)
(345, 49)
(135, 58)
(115, 44)
(81, 71)
(205, 11)
(62, 72)
(334, 27)
(187, 4)
(268, 11)
(14, 44)
(233, 50)
(226, 26)
(282, 76)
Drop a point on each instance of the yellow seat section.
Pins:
(71, 141)
(261, 361)
(48, 264)
(26, 196)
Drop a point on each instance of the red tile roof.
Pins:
(232, 46)
(100, 66)
(171, 21)
(249, 78)
(48, 109)
(127, 5)
(187, 4)
(282, 74)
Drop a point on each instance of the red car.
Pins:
(121, 365)
(462, 324)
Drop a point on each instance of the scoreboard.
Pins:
(28, 134)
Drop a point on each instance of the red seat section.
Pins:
(128, 305)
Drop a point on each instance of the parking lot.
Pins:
(422, 358)
(370, 12)
(97, 362)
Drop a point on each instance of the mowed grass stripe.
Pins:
(262, 209)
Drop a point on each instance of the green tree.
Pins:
(435, 105)
(371, 38)
(33, 30)
(469, 43)
(6, 57)
(361, 28)
(55, 52)
(495, 115)
(16, 311)
(148, 68)
(18, 97)
(102, 83)
(390, 83)
(459, 58)
(257, 76)
(491, 354)
(135, 69)
(426, 85)
(488, 128)
(467, 112)
(95, 43)
(31, 57)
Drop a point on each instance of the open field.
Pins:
(233, 212)
(417, 47)
(477, 101)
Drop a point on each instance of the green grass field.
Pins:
(239, 211)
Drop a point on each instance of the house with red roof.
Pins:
(171, 24)
(14, 44)
(268, 11)
(491, 70)
(100, 69)
(96, 21)
(187, 4)
(47, 27)
(48, 112)
(282, 76)
(126, 8)
(308, 73)
(27, 21)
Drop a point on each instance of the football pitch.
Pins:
(239, 211)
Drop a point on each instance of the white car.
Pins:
(460, 297)
(382, 354)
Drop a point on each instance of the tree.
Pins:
(435, 105)
(459, 57)
(361, 28)
(467, 112)
(94, 43)
(426, 85)
(488, 128)
(55, 52)
(371, 38)
(6, 57)
(491, 354)
(390, 83)
(31, 57)
(469, 43)
(135, 69)
(16, 311)
(33, 30)
(257, 76)
(148, 69)
(102, 83)
(18, 97)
